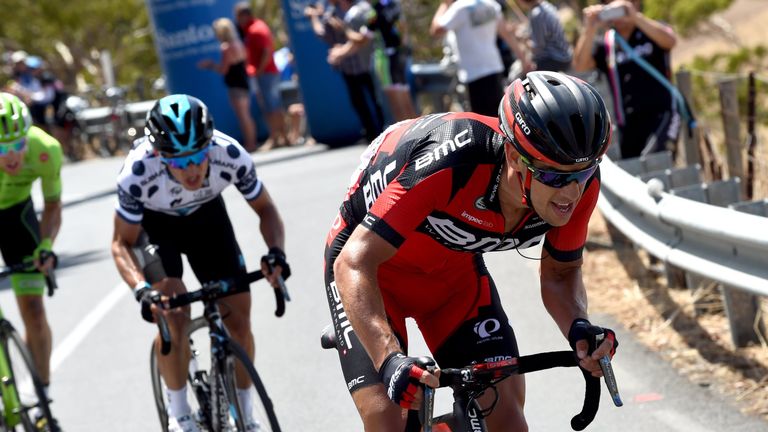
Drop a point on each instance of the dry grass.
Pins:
(663, 319)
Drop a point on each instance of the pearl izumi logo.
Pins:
(484, 329)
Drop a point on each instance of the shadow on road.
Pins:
(67, 262)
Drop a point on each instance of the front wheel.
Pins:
(198, 335)
(25, 404)
(262, 411)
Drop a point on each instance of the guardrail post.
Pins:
(691, 138)
(729, 105)
(743, 308)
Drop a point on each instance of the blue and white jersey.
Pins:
(145, 182)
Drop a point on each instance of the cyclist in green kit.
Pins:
(27, 153)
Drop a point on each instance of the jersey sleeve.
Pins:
(129, 207)
(400, 209)
(566, 243)
(246, 180)
(50, 173)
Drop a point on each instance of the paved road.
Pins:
(101, 345)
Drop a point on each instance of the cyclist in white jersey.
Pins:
(169, 204)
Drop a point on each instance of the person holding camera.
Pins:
(634, 53)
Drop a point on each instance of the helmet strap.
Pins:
(525, 186)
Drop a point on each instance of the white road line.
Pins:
(70, 343)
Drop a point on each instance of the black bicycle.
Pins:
(212, 371)
(470, 382)
(25, 406)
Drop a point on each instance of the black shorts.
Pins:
(21, 232)
(205, 236)
(480, 330)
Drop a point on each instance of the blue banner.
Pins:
(183, 36)
(330, 115)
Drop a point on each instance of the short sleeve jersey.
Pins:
(430, 186)
(144, 181)
(42, 160)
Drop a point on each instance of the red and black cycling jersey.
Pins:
(429, 186)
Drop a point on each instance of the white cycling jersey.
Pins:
(145, 182)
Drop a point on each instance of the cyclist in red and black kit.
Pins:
(430, 197)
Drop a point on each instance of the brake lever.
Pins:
(50, 277)
(608, 375)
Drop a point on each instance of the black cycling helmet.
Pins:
(179, 123)
(555, 118)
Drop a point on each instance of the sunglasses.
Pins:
(182, 162)
(559, 179)
(17, 147)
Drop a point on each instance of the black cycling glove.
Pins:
(276, 257)
(400, 375)
(583, 329)
(146, 296)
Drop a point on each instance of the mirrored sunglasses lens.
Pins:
(16, 147)
(184, 161)
(560, 179)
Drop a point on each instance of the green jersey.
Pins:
(42, 160)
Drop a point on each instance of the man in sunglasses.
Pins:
(169, 204)
(430, 197)
(27, 153)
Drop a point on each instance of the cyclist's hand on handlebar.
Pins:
(273, 264)
(582, 337)
(43, 257)
(148, 299)
(403, 378)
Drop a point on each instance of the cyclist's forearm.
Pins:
(364, 307)
(126, 263)
(50, 220)
(564, 297)
(271, 227)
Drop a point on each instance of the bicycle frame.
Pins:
(11, 402)
(12, 406)
(211, 387)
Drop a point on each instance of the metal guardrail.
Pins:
(715, 242)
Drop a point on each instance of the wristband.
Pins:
(277, 252)
(139, 288)
(45, 244)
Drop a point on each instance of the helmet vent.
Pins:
(578, 128)
(553, 82)
(557, 134)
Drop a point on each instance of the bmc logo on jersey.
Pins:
(447, 147)
(446, 231)
(484, 329)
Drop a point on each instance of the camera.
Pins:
(609, 13)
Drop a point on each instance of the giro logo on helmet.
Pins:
(522, 123)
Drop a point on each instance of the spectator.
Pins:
(386, 21)
(260, 66)
(471, 27)
(297, 123)
(645, 110)
(551, 51)
(344, 26)
(232, 66)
